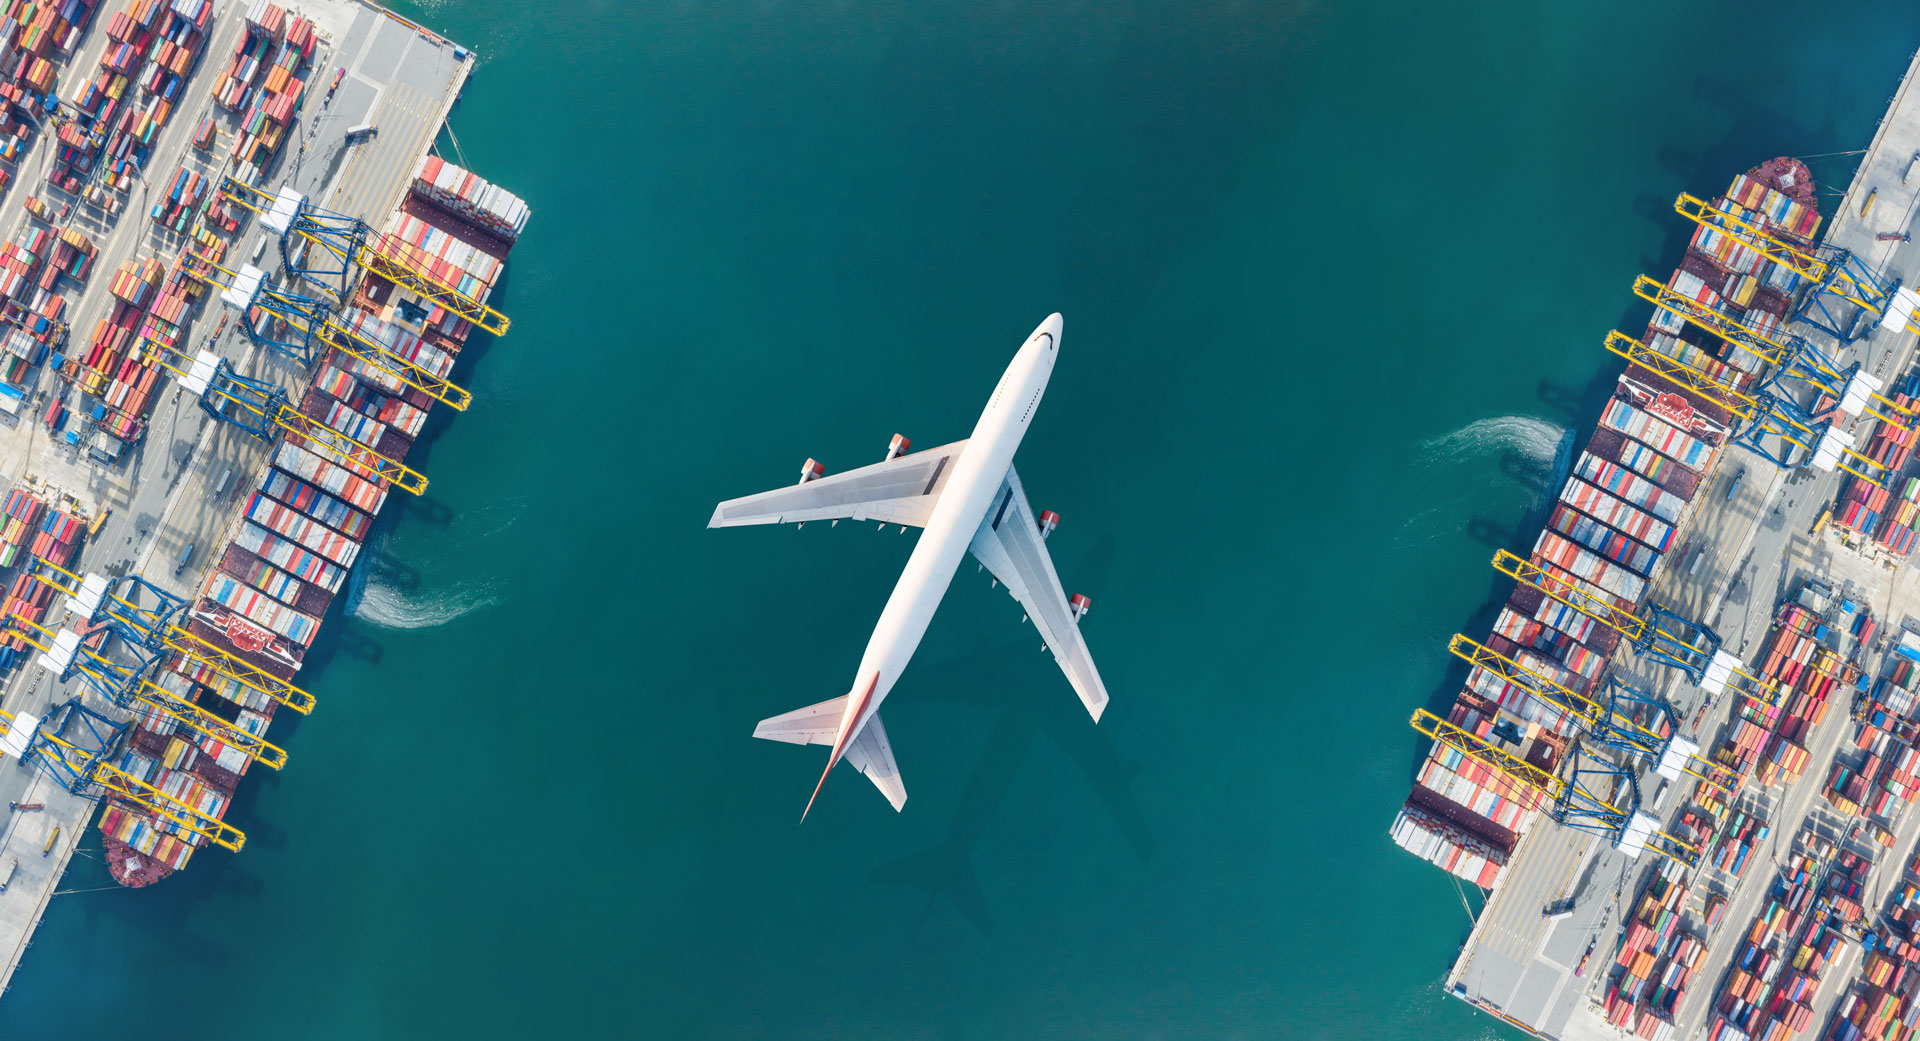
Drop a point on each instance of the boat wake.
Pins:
(1532, 452)
(390, 608)
(1536, 439)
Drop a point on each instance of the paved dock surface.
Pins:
(1757, 545)
(399, 78)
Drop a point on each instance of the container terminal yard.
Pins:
(1682, 767)
(235, 280)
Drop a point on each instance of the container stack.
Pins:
(20, 514)
(1612, 582)
(1752, 727)
(108, 348)
(1447, 847)
(1846, 788)
(151, 47)
(1809, 674)
(1471, 796)
(1775, 979)
(1657, 434)
(1656, 959)
(28, 598)
(276, 50)
(59, 536)
(489, 207)
(20, 263)
(73, 254)
(1884, 1002)
(399, 341)
(32, 37)
(234, 88)
(1758, 201)
(1734, 851)
(137, 280)
(1900, 514)
(436, 250)
(1610, 527)
(185, 191)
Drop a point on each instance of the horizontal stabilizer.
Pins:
(868, 751)
(814, 725)
(872, 755)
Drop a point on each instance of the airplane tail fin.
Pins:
(868, 750)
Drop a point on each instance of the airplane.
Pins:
(965, 496)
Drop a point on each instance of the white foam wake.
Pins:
(1534, 438)
(389, 608)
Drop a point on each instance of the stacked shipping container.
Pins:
(262, 83)
(1656, 959)
(152, 47)
(1769, 993)
(1884, 1001)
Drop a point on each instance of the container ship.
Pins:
(306, 516)
(1749, 875)
(1610, 529)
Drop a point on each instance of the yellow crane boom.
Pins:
(398, 264)
(181, 641)
(293, 421)
(372, 353)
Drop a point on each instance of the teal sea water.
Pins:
(1335, 277)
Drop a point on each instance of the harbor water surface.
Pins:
(1335, 280)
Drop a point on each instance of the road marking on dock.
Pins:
(1522, 937)
(378, 169)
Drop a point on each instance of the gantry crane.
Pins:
(1763, 415)
(130, 686)
(155, 629)
(249, 289)
(76, 767)
(350, 242)
(1794, 359)
(1659, 633)
(1610, 723)
(1576, 803)
(1835, 272)
(263, 411)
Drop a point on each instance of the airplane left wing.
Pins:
(1009, 543)
(901, 490)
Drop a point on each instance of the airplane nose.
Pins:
(1050, 329)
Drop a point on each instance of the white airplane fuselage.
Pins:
(963, 504)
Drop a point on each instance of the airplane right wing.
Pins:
(901, 490)
(1009, 543)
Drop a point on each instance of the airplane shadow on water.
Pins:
(1031, 698)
